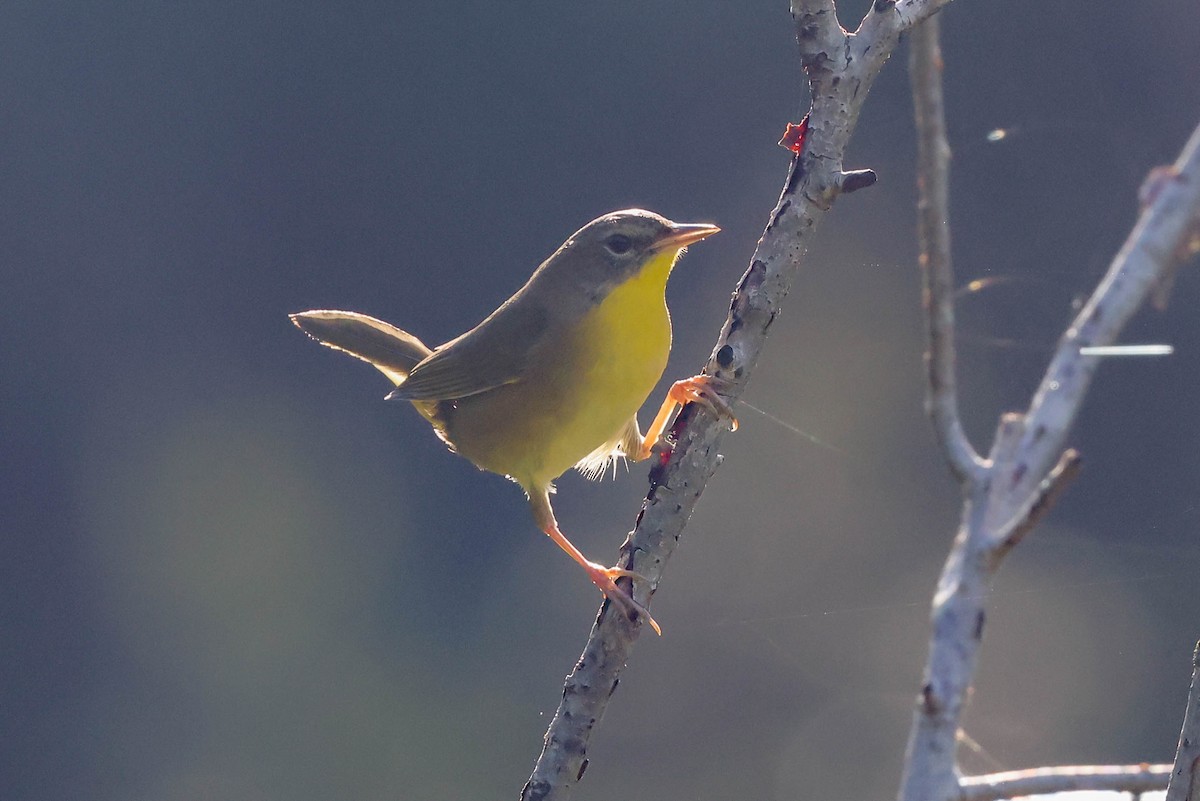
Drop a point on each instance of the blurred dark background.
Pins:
(230, 570)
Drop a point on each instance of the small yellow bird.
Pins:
(552, 379)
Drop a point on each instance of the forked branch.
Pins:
(1028, 465)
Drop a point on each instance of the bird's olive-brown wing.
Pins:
(494, 353)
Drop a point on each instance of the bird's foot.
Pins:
(605, 578)
(703, 389)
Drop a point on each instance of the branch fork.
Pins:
(1028, 466)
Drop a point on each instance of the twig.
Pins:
(1185, 778)
(1037, 504)
(1044, 781)
(933, 237)
(840, 69)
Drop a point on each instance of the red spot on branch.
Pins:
(795, 136)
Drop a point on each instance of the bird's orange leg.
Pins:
(697, 389)
(602, 577)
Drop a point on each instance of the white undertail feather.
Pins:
(595, 465)
(620, 448)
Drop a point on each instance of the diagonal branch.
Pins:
(840, 69)
(1185, 773)
(1150, 253)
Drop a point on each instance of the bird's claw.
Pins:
(605, 579)
(703, 389)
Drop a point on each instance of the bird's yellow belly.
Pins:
(579, 395)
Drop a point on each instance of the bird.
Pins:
(553, 378)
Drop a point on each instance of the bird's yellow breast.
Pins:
(583, 391)
(625, 342)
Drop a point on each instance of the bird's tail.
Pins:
(391, 351)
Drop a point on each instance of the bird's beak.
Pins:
(683, 234)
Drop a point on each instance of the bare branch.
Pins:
(1185, 778)
(1148, 255)
(1045, 781)
(596, 675)
(933, 236)
(893, 17)
(840, 70)
(824, 10)
(958, 616)
(1020, 479)
(1036, 506)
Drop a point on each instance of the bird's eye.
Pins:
(618, 244)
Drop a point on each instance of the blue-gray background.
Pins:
(229, 570)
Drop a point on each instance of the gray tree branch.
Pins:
(1027, 466)
(933, 238)
(1185, 773)
(840, 69)
(1070, 778)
